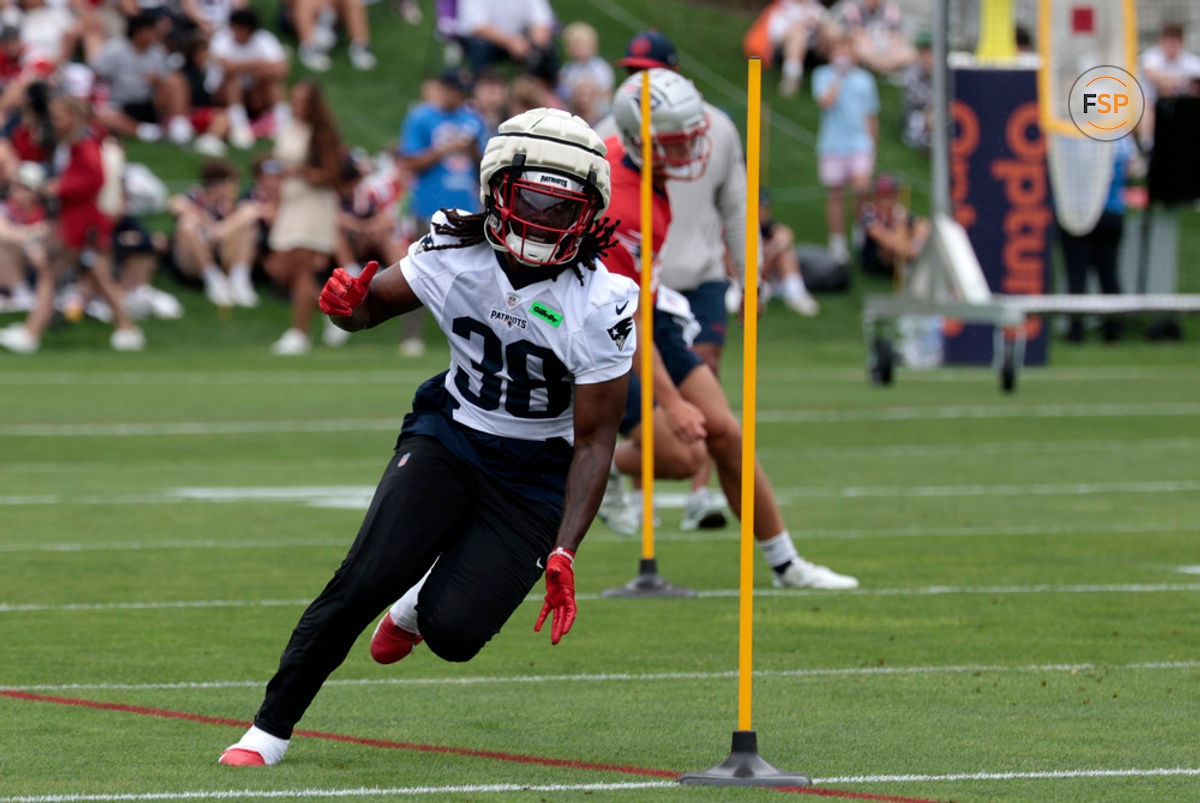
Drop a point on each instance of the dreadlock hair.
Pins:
(468, 230)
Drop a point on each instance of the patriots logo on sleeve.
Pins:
(620, 331)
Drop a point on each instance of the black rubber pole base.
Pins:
(648, 583)
(745, 767)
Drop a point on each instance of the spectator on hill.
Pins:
(23, 229)
(526, 92)
(365, 229)
(207, 115)
(305, 231)
(521, 31)
(1168, 69)
(315, 22)
(208, 17)
(440, 144)
(212, 243)
(794, 30)
(489, 98)
(781, 269)
(246, 72)
(918, 94)
(143, 88)
(848, 136)
(876, 29)
(49, 33)
(585, 82)
(83, 235)
(893, 235)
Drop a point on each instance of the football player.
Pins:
(501, 464)
(695, 410)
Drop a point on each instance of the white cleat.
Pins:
(802, 574)
(703, 510)
(293, 343)
(130, 339)
(18, 339)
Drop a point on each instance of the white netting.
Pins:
(1079, 35)
(1081, 172)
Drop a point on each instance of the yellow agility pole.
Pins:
(646, 300)
(647, 583)
(744, 767)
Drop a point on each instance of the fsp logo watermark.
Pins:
(1106, 103)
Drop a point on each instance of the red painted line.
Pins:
(419, 747)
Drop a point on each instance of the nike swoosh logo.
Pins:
(539, 564)
(621, 308)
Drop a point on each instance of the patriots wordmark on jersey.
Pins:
(516, 353)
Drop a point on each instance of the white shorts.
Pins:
(838, 169)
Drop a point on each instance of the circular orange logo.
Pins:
(1106, 103)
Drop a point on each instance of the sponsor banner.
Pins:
(1000, 192)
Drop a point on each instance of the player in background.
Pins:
(501, 464)
(695, 410)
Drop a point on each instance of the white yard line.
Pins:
(918, 591)
(362, 791)
(1013, 776)
(767, 416)
(623, 677)
(605, 537)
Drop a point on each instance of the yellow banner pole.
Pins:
(749, 397)
(646, 300)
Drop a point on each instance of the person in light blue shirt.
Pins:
(849, 102)
(440, 142)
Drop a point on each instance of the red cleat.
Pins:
(391, 642)
(241, 757)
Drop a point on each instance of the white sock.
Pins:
(213, 274)
(793, 69)
(271, 748)
(793, 288)
(238, 117)
(779, 551)
(240, 272)
(837, 241)
(404, 610)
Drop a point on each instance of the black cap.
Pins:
(455, 79)
(650, 49)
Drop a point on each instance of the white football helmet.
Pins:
(543, 180)
(678, 124)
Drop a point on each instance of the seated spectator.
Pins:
(138, 254)
(246, 72)
(23, 229)
(876, 32)
(794, 29)
(585, 82)
(210, 242)
(209, 16)
(315, 23)
(1168, 69)
(207, 116)
(781, 269)
(143, 89)
(49, 33)
(366, 230)
(489, 99)
(526, 92)
(848, 136)
(83, 235)
(893, 234)
(918, 94)
(518, 30)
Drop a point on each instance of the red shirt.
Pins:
(625, 207)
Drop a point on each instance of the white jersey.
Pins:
(516, 354)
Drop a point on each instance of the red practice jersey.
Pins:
(625, 207)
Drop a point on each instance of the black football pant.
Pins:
(492, 549)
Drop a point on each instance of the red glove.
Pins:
(560, 594)
(343, 292)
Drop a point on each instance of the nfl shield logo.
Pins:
(513, 299)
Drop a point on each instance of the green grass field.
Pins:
(1024, 630)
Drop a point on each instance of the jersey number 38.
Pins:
(518, 401)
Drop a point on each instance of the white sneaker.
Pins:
(412, 347)
(18, 339)
(241, 291)
(804, 305)
(293, 343)
(242, 137)
(130, 339)
(217, 289)
(98, 308)
(314, 59)
(802, 574)
(20, 299)
(179, 130)
(333, 335)
(703, 510)
(149, 132)
(163, 305)
(361, 57)
(209, 145)
(615, 509)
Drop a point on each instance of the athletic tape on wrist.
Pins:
(562, 550)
